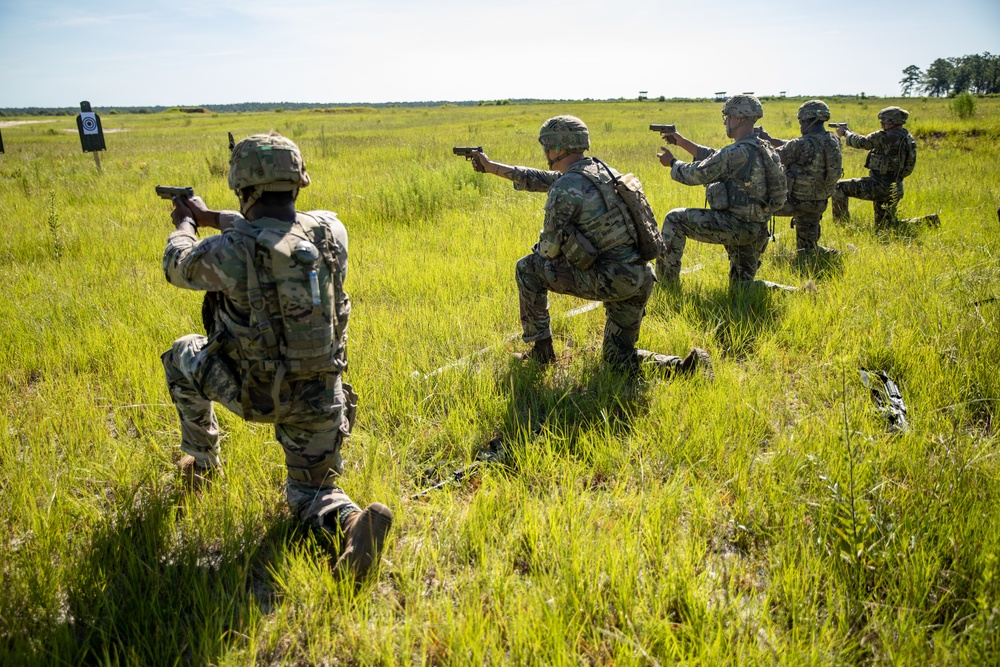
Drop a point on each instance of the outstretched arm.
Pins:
(484, 165)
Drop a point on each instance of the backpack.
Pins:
(299, 311)
(897, 160)
(775, 185)
(643, 227)
(818, 179)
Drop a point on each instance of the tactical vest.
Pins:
(298, 308)
(817, 179)
(896, 158)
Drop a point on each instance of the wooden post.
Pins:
(97, 161)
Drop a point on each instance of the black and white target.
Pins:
(89, 123)
(91, 134)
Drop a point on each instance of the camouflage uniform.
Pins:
(618, 276)
(315, 411)
(805, 159)
(735, 220)
(892, 155)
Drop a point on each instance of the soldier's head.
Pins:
(263, 164)
(893, 117)
(739, 114)
(813, 113)
(563, 135)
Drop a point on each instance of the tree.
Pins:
(911, 79)
(938, 77)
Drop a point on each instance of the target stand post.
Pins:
(88, 124)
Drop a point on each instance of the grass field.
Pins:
(767, 517)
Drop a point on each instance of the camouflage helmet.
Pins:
(267, 162)
(814, 110)
(743, 106)
(564, 133)
(893, 115)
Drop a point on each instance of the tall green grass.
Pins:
(766, 517)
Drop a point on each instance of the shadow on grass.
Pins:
(816, 266)
(143, 594)
(736, 316)
(568, 400)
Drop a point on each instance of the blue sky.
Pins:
(56, 52)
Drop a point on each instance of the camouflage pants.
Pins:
(806, 217)
(624, 289)
(744, 241)
(883, 194)
(311, 429)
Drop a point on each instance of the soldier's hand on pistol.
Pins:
(666, 157)
(204, 216)
(842, 130)
(181, 211)
(670, 137)
(479, 162)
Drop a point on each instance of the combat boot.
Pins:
(195, 476)
(363, 539)
(697, 359)
(542, 352)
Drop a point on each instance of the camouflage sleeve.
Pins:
(227, 218)
(704, 152)
(714, 168)
(197, 265)
(562, 210)
(866, 142)
(790, 152)
(534, 180)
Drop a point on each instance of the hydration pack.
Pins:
(299, 311)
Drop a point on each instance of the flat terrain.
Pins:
(767, 517)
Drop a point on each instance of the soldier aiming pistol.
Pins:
(664, 130)
(469, 153)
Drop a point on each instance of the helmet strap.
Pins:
(245, 206)
(558, 157)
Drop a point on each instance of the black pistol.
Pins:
(169, 192)
(664, 129)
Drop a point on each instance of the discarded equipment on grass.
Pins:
(887, 398)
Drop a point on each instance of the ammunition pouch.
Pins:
(578, 249)
(718, 197)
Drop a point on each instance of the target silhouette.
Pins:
(88, 124)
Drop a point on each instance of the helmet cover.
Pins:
(893, 115)
(814, 110)
(743, 106)
(267, 162)
(564, 133)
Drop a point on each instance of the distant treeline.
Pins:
(978, 74)
(327, 106)
(233, 108)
